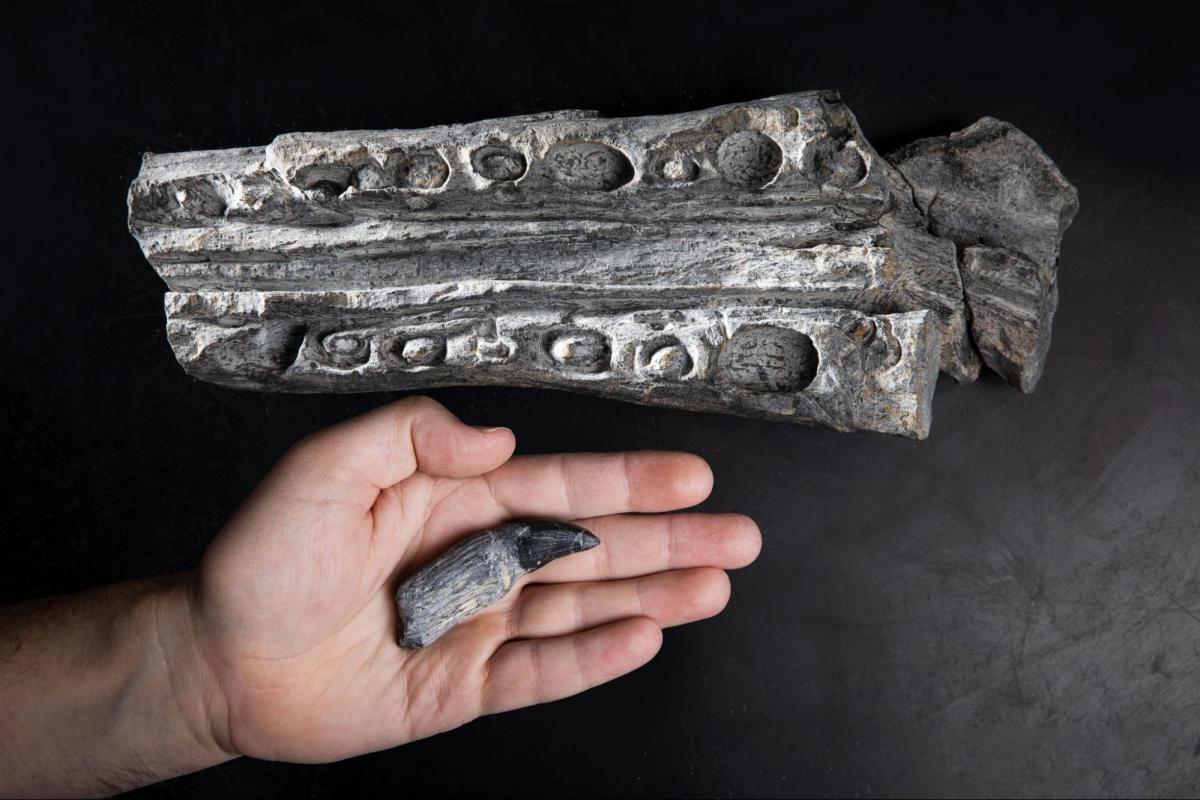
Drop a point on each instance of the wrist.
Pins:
(106, 690)
(194, 685)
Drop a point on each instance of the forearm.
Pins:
(104, 691)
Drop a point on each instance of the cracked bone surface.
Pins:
(757, 258)
(992, 191)
(478, 571)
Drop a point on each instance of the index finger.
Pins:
(563, 486)
(578, 485)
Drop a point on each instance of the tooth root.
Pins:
(477, 572)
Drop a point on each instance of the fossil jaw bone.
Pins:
(302, 265)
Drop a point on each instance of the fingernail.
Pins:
(485, 429)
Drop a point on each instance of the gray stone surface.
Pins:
(758, 258)
(478, 571)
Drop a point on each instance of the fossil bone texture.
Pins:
(993, 192)
(758, 258)
(477, 572)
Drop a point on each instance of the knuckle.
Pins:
(417, 403)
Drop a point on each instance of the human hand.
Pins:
(293, 607)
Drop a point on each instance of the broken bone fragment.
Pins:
(1012, 300)
(477, 572)
(992, 191)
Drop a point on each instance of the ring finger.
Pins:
(669, 598)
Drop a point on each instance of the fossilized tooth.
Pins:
(477, 572)
(991, 190)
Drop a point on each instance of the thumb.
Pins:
(383, 447)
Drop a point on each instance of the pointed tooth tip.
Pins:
(544, 541)
(584, 539)
(587, 538)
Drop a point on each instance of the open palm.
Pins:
(294, 599)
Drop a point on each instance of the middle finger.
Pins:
(640, 544)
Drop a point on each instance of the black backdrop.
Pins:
(1012, 606)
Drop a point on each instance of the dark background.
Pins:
(1010, 607)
